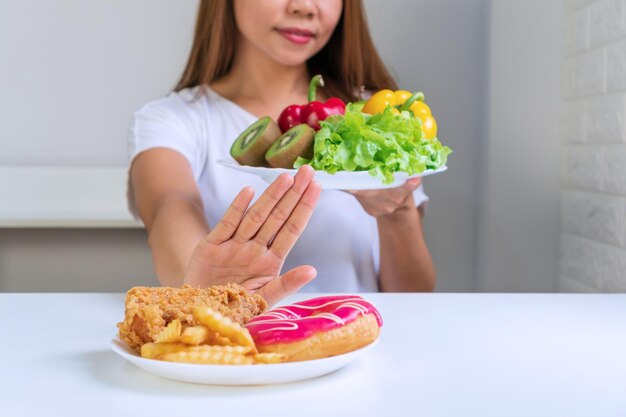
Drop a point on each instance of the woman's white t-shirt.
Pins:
(341, 239)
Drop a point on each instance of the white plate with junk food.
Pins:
(257, 374)
(342, 180)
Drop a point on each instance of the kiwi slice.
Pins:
(297, 141)
(250, 147)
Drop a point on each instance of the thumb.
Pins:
(287, 284)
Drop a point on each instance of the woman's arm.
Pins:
(169, 204)
(247, 246)
(405, 261)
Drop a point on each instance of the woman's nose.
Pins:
(305, 8)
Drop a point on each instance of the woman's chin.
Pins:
(292, 57)
(293, 60)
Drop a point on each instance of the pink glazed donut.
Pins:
(316, 328)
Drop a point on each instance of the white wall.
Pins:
(74, 260)
(72, 72)
(518, 242)
(440, 47)
(593, 197)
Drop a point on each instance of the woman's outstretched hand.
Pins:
(249, 244)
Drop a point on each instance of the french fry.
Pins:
(170, 333)
(154, 350)
(218, 340)
(208, 357)
(195, 335)
(266, 358)
(243, 350)
(224, 326)
(215, 340)
(158, 350)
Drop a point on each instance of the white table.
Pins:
(439, 355)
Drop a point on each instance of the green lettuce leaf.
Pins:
(381, 144)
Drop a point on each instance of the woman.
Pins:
(250, 59)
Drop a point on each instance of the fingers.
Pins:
(412, 184)
(259, 212)
(229, 223)
(287, 284)
(243, 225)
(282, 211)
(294, 226)
(389, 200)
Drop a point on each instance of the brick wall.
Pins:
(593, 140)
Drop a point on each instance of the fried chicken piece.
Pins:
(150, 309)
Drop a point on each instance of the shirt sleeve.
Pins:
(420, 197)
(165, 123)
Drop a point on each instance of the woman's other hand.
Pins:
(249, 244)
(389, 201)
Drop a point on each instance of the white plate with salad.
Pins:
(341, 180)
(358, 151)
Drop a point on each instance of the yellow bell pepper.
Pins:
(378, 102)
(403, 100)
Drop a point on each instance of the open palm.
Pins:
(249, 245)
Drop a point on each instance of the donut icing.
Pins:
(301, 320)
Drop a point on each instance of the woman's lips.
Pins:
(297, 36)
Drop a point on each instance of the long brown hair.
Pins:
(347, 62)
